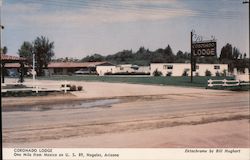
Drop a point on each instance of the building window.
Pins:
(58, 70)
(168, 67)
(197, 67)
(216, 67)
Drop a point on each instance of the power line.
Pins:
(114, 5)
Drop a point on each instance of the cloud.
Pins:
(119, 12)
(21, 8)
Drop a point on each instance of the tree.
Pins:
(226, 53)
(4, 50)
(236, 53)
(93, 58)
(182, 57)
(26, 51)
(179, 54)
(169, 54)
(43, 50)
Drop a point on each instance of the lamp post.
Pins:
(33, 70)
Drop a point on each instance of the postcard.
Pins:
(125, 79)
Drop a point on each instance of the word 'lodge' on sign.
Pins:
(204, 48)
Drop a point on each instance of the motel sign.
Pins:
(200, 48)
(204, 48)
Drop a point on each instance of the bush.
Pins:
(127, 73)
(157, 73)
(217, 74)
(79, 88)
(197, 74)
(208, 73)
(73, 88)
(185, 73)
(224, 73)
(68, 85)
(169, 74)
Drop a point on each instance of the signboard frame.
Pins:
(204, 48)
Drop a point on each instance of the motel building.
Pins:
(68, 68)
(122, 69)
(178, 69)
(106, 68)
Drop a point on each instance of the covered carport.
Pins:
(12, 59)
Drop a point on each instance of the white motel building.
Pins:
(106, 68)
(177, 69)
(173, 69)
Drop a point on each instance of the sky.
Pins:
(84, 27)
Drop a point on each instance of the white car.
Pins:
(82, 71)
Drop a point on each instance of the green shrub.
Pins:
(169, 74)
(157, 73)
(185, 72)
(68, 85)
(208, 73)
(73, 88)
(217, 74)
(224, 73)
(79, 88)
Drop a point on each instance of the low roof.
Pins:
(15, 65)
(8, 58)
(74, 64)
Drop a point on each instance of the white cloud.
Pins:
(34, 14)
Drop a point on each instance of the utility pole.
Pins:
(247, 2)
(1, 27)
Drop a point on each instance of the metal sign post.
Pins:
(191, 57)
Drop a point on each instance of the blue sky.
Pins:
(84, 27)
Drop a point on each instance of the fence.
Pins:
(36, 87)
(226, 83)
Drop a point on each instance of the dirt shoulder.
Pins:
(101, 90)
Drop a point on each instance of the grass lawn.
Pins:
(173, 81)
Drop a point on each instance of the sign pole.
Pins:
(191, 58)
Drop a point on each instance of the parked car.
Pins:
(12, 73)
(82, 71)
